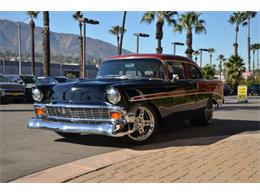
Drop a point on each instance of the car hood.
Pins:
(92, 91)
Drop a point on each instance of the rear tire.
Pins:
(68, 135)
(204, 116)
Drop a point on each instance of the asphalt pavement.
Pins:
(24, 151)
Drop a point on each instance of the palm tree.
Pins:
(117, 30)
(196, 53)
(122, 33)
(208, 71)
(254, 47)
(33, 15)
(211, 51)
(76, 16)
(237, 19)
(190, 21)
(46, 43)
(249, 15)
(221, 58)
(235, 67)
(161, 17)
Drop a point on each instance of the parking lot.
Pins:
(25, 151)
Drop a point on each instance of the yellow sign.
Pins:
(242, 93)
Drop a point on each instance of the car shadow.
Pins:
(180, 134)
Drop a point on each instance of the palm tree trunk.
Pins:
(122, 34)
(81, 50)
(189, 49)
(210, 57)
(159, 36)
(248, 45)
(118, 44)
(32, 24)
(46, 43)
(235, 44)
(253, 62)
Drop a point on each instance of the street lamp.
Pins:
(19, 46)
(201, 50)
(174, 46)
(137, 39)
(85, 21)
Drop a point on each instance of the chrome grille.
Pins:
(77, 113)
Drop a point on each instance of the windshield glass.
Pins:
(4, 79)
(29, 79)
(132, 68)
(46, 80)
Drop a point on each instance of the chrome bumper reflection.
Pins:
(108, 129)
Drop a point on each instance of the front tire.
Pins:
(68, 135)
(145, 125)
(205, 115)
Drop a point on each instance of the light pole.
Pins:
(19, 46)
(201, 50)
(85, 21)
(174, 46)
(137, 39)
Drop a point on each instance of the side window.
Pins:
(176, 68)
(194, 72)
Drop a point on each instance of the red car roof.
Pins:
(159, 56)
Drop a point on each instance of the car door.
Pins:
(180, 88)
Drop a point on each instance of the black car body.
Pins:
(132, 95)
(10, 90)
(254, 89)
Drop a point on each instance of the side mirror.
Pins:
(175, 77)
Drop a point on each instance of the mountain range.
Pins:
(60, 43)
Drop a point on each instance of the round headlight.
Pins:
(37, 95)
(113, 95)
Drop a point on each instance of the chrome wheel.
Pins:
(144, 124)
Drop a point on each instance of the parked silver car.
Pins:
(10, 90)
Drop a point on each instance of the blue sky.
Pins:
(220, 34)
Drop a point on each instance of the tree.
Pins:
(117, 30)
(221, 58)
(122, 33)
(254, 47)
(196, 53)
(235, 67)
(190, 21)
(211, 51)
(46, 43)
(76, 16)
(32, 15)
(236, 19)
(161, 17)
(249, 15)
(208, 71)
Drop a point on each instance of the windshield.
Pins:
(46, 80)
(4, 79)
(29, 79)
(132, 68)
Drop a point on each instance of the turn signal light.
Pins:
(115, 115)
(39, 111)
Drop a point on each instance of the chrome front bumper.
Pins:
(66, 127)
(114, 128)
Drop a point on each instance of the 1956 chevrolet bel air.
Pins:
(131, 96)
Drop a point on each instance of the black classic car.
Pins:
(254, 89)
(131, 96)
(28, 81)
(10, 90)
